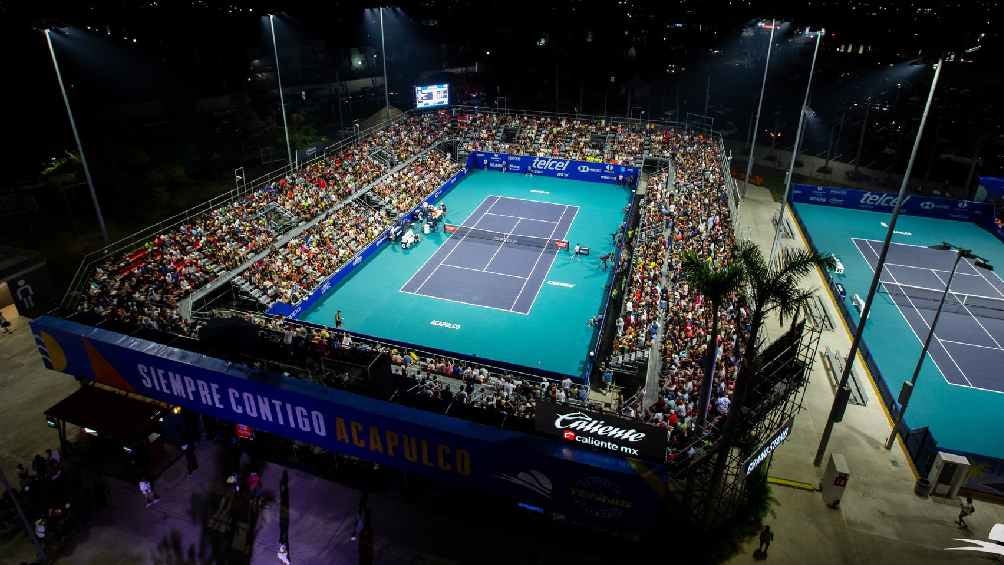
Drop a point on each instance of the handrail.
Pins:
(139, 238)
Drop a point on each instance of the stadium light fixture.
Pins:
(803, 114)
(839, 401)
(76, 136)
(282, 100)
(759, 107)
(908, 387)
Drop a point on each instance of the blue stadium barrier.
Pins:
(881, 201)
(598, 488)
(554, 167)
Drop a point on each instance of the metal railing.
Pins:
(139, 238)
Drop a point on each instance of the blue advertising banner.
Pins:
(879, 201)
(548, 473)
(554, 167)
(292, 311)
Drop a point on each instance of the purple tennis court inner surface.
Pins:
(967, 344)
(495, 273)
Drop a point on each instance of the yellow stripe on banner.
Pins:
(792, 484)
(850, 336)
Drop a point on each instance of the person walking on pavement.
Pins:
(362, 516)
(766, 537)
(190, 462)
(283, 554)
(146, 488)
(966, 508)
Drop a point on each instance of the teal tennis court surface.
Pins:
(506, 294)
(958, 394)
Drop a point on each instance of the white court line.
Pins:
(979, 272)
(520, 217)
(480, 271)
(443, 260)
(973, 316)
(462, 302)
(542, 250)
(570, 222)
(971, 345)
(888, 264)
(501, 245)
(922, 319)
(891, 243)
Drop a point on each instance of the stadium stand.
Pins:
(397, 166)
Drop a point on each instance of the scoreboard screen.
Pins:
(432, 96)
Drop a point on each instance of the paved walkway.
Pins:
(880, 520)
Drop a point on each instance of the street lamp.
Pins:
(282, 100)
(759, 106)
(76, 136)
(908, 387)
(839, 401)
(803, 111)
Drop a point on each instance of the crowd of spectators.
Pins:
(565, 137)
(143, 286)
(697, 213)
(645, 295)
(291, 272)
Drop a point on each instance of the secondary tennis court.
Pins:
(498, 258)
(960, 392)
(966, 346)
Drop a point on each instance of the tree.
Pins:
(769, 287)
(715, 284)
(772, 287)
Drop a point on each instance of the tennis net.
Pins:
(512, 239)
(922, 298)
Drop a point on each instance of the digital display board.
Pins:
(432, 96)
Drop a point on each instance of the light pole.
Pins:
(76, 136)
(759, 106)
(839, 401)
(908, 388)
(282, 100)
(861, 140)
(383, 49)
(794, 150)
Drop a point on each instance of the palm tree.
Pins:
(714, 284)
(772, 287)
(769, 287)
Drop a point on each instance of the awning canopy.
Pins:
(110, 414)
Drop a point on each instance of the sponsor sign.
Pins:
(603, 432)
(878, 201)
(768, 447)
(553, 167)
(447, 325)
(585, 486)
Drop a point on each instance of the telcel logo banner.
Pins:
(549, 164)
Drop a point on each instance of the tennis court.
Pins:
(960, 392)
(498, 257)
(498, 287)
(966, 346)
